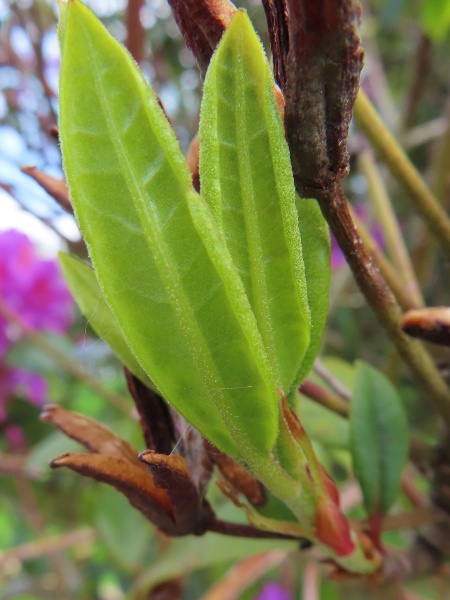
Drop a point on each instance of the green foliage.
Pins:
(85, 289)
(125, 533)
(158, 254)
(435, 16)
(246, 177)
(315, 241)
(211, 300)
(378, 437)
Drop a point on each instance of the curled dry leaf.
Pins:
(429, 324)
(191, 512)
(159, 486)
(237, 477)
(57, 188)
(154, 415)
(202, 23)
(130, 479)
(158, 422)
(92, 435)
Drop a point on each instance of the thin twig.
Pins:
(332, 381)
(411, 491)
(135, 31)
(403, 170)
(47, 545)
(391, 230)
(311, 582)
(43, 344)
(16, 464)
(244, 573)
(325, 398)
(246, 531)
(413, 519)
(380, 298)
(388, 272)
(420, 72)
(423, 134)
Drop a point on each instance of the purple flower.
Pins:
(35, 291)
(23, 383)
(273, 591)
(31, 287)
(15, 436)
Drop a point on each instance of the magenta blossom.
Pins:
(15, 436)
(20, 383)
(34, 290)
(273, 591)
(31, 287)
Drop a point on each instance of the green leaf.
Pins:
(84, 287)
(378, 437)
(159, 257)
(321, 424)
(246, 177)
(316, 256)
(185, 555)
(125, 532)
(435, 17)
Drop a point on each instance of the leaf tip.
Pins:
(61, 461)
(332, 528)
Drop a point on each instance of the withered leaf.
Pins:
(239, 479)
(202, 23)
(430, 324)
(57, 188)
(159, 486)
(132, 480)
(191, 513)
(154, 415)
(91, 434)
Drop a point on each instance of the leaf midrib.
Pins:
(167, 270)
(256, 263)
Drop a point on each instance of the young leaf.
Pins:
(378, 438)
(316, 257)
(246, 177)
(435, 17)
(84, 286)
(159, 257)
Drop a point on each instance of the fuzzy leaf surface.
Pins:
(316, 250)
(378, 437)
(246, 177)
(88, 294)
(160, 259)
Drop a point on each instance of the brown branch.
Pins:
(47, 545)
(202, 23)
(422, 199)
(277, 25)
(420, 71)
(381, 300)
(243, 530)
(57, 188)
(135, 32)
(325, 398)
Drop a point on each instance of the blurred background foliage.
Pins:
(62, 536)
